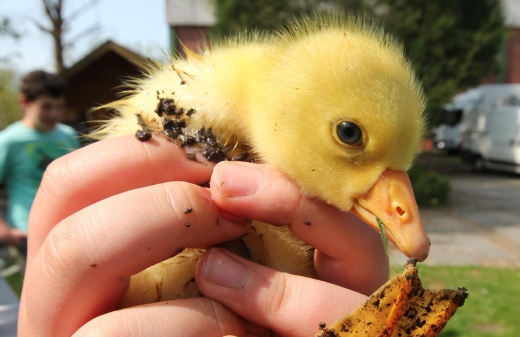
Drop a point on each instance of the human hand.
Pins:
(348, 252)
(82, 253)
(242, 299)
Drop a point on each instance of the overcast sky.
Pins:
(136, 24)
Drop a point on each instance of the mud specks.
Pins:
(188, 210)
(143, 136)
(307, 223)
(241, 157)
(212, 150)
(93, 265)
(326, 332)
(166, 106)
(175, 124)
(187, 224)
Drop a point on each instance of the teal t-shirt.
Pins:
(24, 155)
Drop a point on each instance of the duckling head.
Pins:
(341, 112)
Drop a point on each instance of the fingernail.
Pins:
(239, 179)
(223, 270)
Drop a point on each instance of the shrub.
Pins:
(9, 107)
(430, 188)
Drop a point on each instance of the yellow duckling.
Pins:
(331, 101)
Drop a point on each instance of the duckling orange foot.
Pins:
(401, 307)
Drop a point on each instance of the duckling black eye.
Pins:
(349, 133)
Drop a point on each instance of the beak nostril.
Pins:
(400, 211)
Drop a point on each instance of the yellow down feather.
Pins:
(282, 95)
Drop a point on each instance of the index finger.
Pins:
(349, 253)
(103, 169)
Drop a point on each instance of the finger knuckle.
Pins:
(54, 177)
(180, 198)
(293, 199)
(70, 247)
(279, 297)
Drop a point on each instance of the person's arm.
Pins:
(5, 231)
(11, 236)
(115, 207)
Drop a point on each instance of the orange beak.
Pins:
(391, 200)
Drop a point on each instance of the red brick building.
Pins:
(511, 66)
(189, 21)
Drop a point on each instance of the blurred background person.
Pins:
(28, 146)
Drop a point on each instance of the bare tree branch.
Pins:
(72, 16)
(82, 35)
(55, 15)
(41, 27)
(59, 6)
(48, 6)
(60, 26)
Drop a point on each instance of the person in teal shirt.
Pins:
(28, 146)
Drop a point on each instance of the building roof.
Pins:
(108, 46)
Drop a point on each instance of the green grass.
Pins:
(15, 281)
(493, 305)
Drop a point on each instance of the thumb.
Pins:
(287, 304)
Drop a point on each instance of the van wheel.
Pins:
(479, 165)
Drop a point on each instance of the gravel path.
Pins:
(480, 227)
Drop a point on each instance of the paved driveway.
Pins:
(480, 227)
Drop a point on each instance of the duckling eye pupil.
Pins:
(349, 133)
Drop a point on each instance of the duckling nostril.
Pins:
(400, 211)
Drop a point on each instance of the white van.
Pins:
(491, 136)
(448, 137)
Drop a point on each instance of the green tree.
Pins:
(451, 44)
(7, 29)
(9, 108)
(236, 15)
(239, 15)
